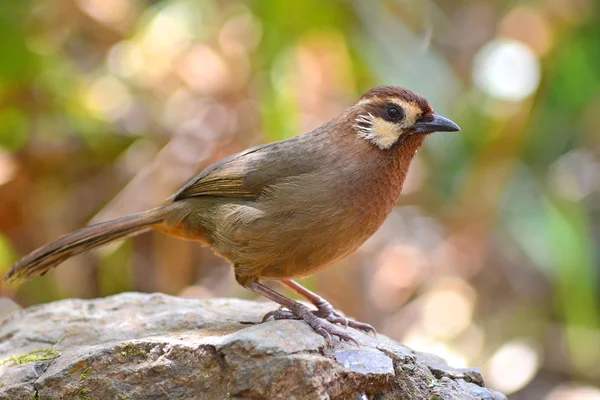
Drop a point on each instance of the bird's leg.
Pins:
(325, 309)
(299, 311)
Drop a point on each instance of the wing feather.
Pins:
(247, 174)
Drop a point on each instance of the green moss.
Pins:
(83, 394)
(35, 355)
(36, 395)
(85, 373)
(131, 350)
(2, 384)
(32, 356)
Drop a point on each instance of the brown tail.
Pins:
(41, 260)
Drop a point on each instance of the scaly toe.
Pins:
(335, 317)
(321, 327)
(327, 331)
(362, 327)
(345, 337)
(315, 320)
(323, 332)
(339, 320)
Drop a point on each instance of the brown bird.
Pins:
(287, 209)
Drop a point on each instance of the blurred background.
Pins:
(491, 258)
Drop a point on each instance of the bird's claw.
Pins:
(332, 315)
(327, 331)
(314, 321)
(278, 314)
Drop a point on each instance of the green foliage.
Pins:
(18, 62)
(14, 128)
(113, 279)
(7, 254)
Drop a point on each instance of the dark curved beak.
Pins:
(437, 124)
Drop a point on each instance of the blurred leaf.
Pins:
(114, 274)
(18, 62)
(7, 255)
(574, 261)
(288, 21)
(572, 79)
(577, 281)
(577, 75)
(14, 128)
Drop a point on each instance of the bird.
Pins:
(286, 209)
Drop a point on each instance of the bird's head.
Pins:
(386, 113)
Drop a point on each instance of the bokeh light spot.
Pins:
(575, 175)
(528, 25)
(574, 392)
(109, 12)
(507, 70)
(8, 167)
(125, 59)
(108, 97)
(448, 308)
(513, 365)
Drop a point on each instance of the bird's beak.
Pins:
(437, 124)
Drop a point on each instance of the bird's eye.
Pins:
(394, 113)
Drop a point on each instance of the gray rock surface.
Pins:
(153, 346)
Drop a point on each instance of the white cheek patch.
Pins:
(378, 131)
(384, 133)
(364, 124)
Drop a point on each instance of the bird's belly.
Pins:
(301, 244)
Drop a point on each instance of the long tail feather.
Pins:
(41, 260)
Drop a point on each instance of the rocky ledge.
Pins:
(153, 346)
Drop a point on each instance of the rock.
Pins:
(7, 307)
(153, 346)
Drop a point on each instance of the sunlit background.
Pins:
(489, 260)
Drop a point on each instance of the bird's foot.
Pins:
(300, 311)
(326, 311)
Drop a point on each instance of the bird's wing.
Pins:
(246, 174)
